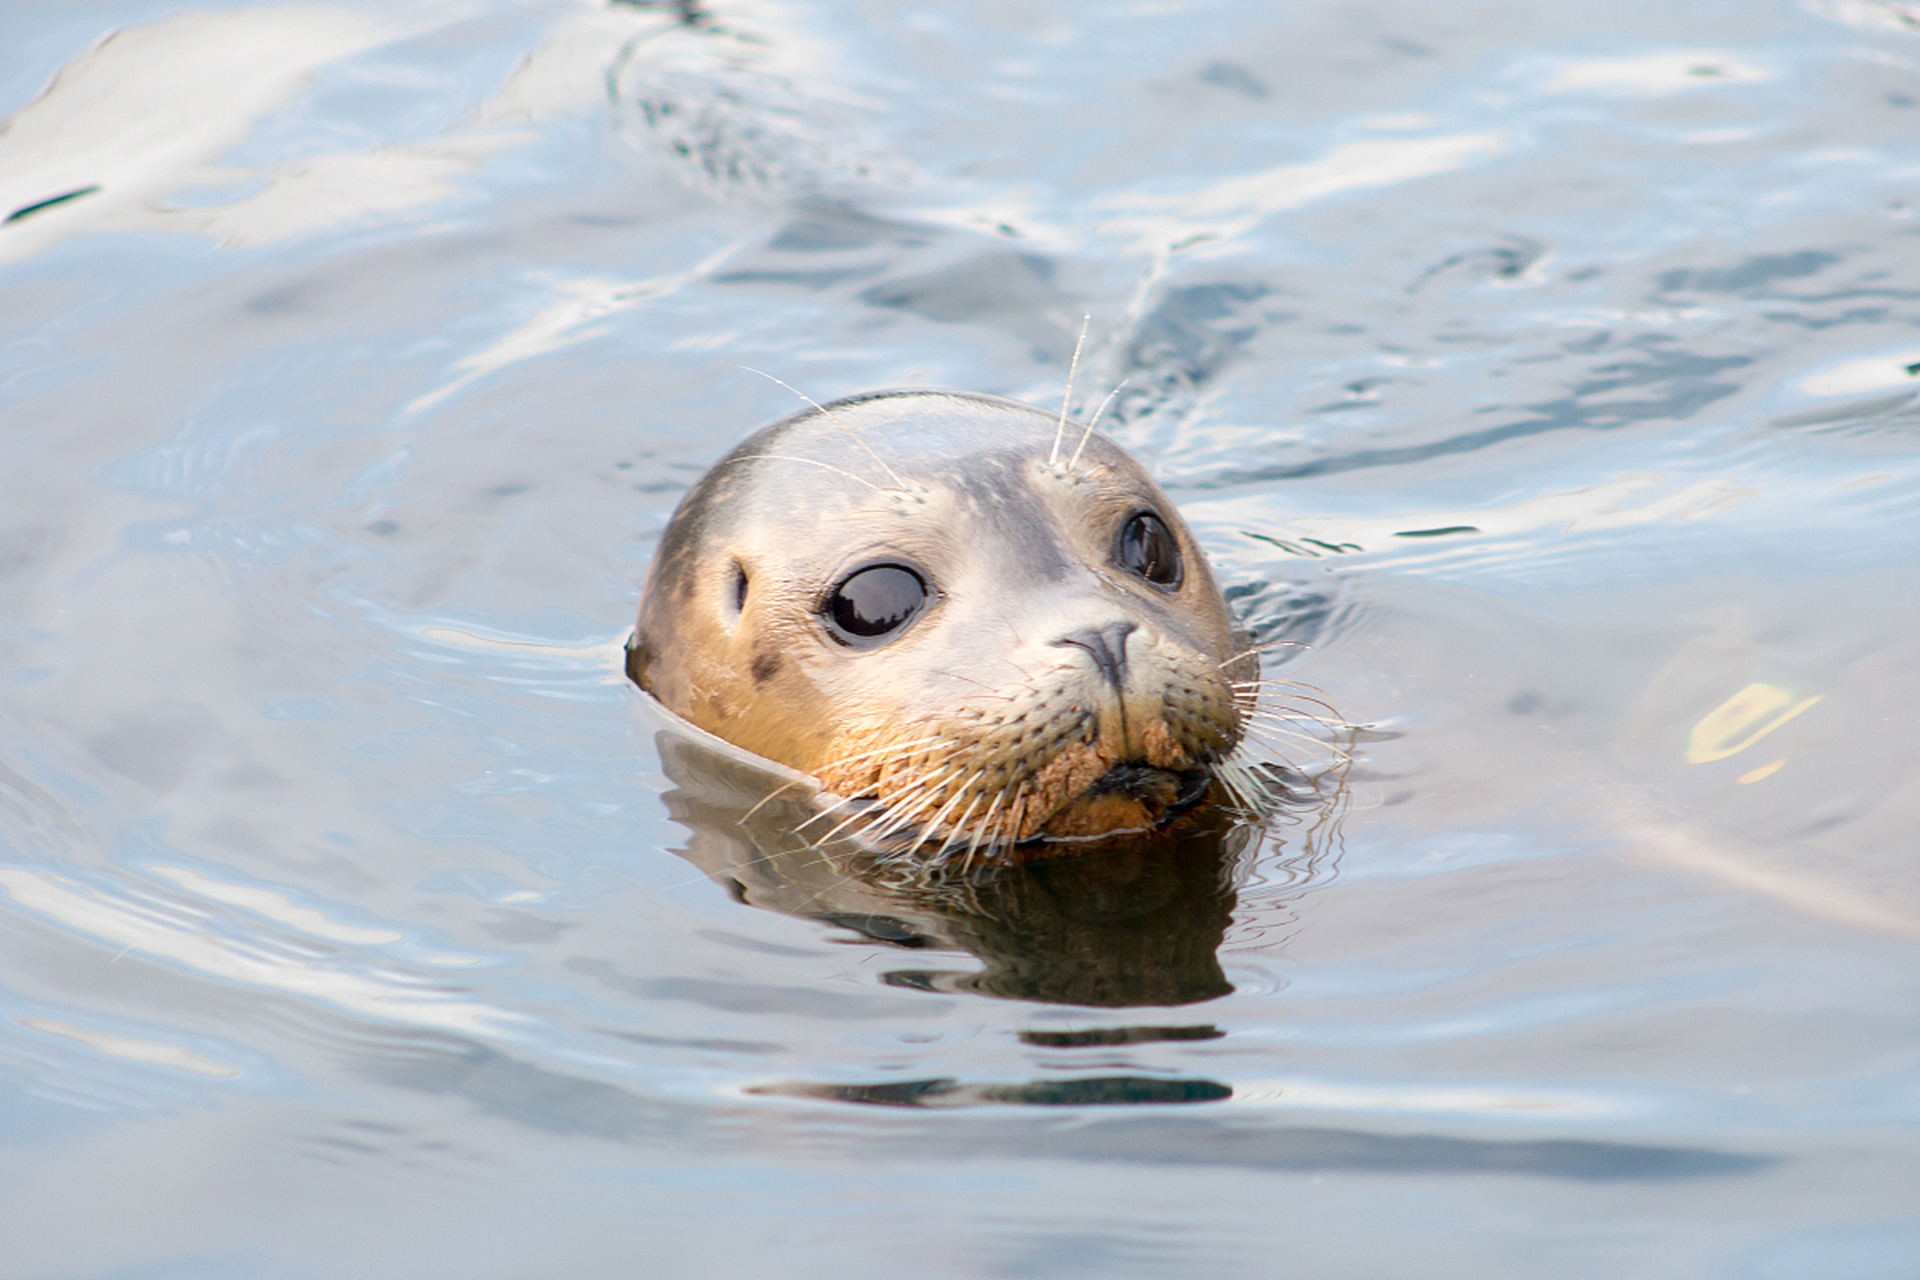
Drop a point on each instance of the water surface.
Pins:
(1540, 377)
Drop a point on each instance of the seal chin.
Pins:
(1128, 799)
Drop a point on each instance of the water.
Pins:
(1544, 367)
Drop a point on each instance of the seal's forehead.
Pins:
(891, 435)
(891, 452)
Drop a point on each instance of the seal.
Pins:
(974, 625)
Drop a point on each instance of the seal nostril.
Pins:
(1107, 646)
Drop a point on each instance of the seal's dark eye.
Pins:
(1147, 548)
(875, 603)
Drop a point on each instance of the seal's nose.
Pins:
(1107, 645)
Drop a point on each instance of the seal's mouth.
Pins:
(1129, 797)
(1125, 801)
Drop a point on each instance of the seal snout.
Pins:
(1107, 645)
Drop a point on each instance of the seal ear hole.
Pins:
(1147, 549)
(739, 587)
(872, 605)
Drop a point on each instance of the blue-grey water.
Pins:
(1549, 372)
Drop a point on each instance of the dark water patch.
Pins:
(1858, 315)
(814, 281)
(1312, 548)
(882, 929)
(519, 1091)
(1106, 1036)
(690, 13)
(1183, 344)
(746, 997)
(1284, 617)
(1502, 263)
(1684, 383)
(1234, 78)
(1273, 1148)
(1019, 293)
(1354, 1151)
(28, 210)
(561, 1103)
(1102, 1091)
(1860, 410)
(705, 1044)
(1750, 276)
(158, 745)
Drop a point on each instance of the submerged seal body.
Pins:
(975, 625)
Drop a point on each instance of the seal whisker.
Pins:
(1094, 420)
(1066, 397)
(959, 829)
(821, 858)
(1310, 728)
(925, 785)
(1271, 683)
(924, 792)
(1265, 645)
(1006, 830)
(932, 777)
(1011, 823)
(1275, 682)
(1244, 788)
(1239, 778)
(1321, 714)
(839, 802)
(871, 818)
(893, 475)
(1254, 689)
(1267, 713)
(882, 808)
(764, 858)
(763, 799)
(1282, 748)
(1281, 696)
(1314, 755)
(991, 691)
(891, 748)
(1283, 687)
(932, 826)
(946, 790)
(814, 462)
(986, 821)
(1267, 731)
(1255, 716)
(1273, 754)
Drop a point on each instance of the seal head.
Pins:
(970, 626)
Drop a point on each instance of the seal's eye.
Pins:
(1147, 548)
(875, 603)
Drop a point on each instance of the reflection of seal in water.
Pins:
(972, 624)
(1137, 924)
